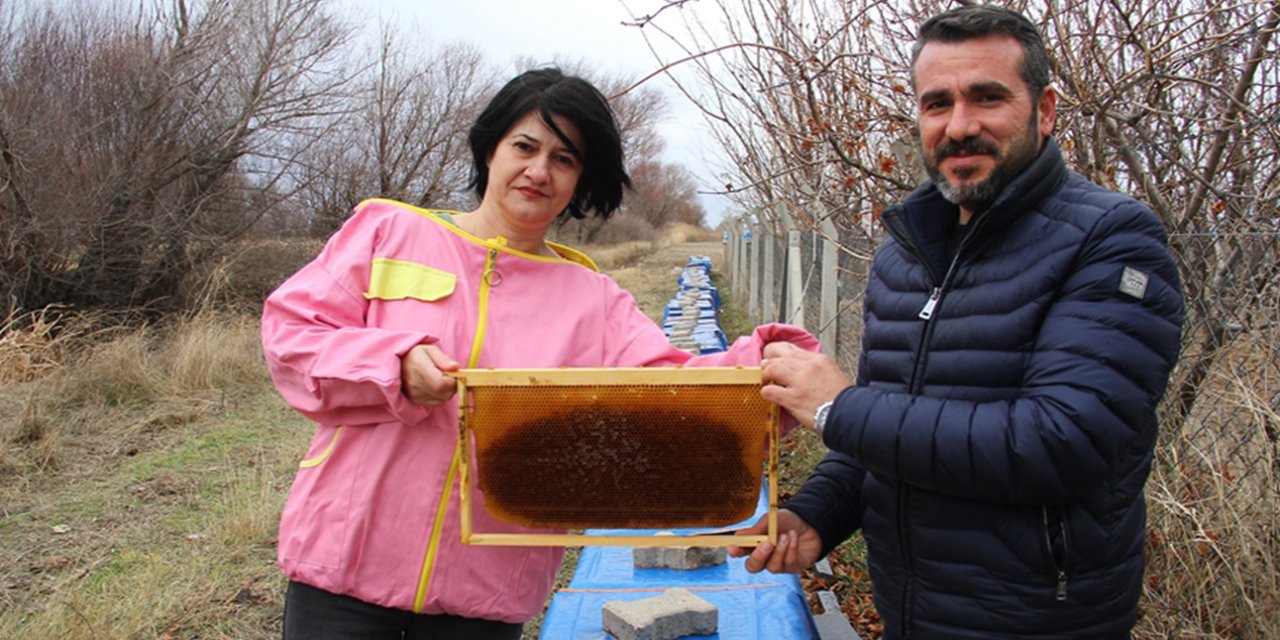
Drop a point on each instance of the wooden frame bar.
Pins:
(619, 375)
(604, 540)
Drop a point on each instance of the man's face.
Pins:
(979, 124)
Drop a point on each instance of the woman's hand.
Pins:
(422, 376)
(798, 545)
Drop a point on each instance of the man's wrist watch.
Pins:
(820, 417)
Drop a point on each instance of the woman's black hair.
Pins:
(550, 92)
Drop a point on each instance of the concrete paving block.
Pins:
(830, 603)
(832, 623)
(683, 558)
(674, 614)
(823, 568)
(834, 626)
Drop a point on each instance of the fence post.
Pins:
(828, 321)
(753, 286)
(731, 255)
(743, 292)
(828, 296)
(791, 298)
(794, 309)
(768, 245)
(730, 250)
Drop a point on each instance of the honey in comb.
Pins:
(617, 469)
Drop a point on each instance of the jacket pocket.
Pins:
(317, 459)
(1058, 544)
(316, 518)
(391, 279)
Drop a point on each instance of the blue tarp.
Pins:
(760, 606)
(756, 612)
(752, 606)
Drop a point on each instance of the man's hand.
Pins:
(799, 380)
(422, 377)
(798, 545)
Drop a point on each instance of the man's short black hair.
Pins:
(979, 21)
(549, 92)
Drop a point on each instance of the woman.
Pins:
(360, 341)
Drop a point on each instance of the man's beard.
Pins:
(975, 196)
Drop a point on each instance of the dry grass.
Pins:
(143, 487)
(125, 382)
(649, 270)
(242, 279)
(614, 256)
(26, 347)
(632, 253)
(213, 351)
(1213, 552)
(35, 344)
(681, 233)
(143, 469)
(175, 542)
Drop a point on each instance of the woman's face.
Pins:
(532, 173)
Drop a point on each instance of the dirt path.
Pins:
(652, 278)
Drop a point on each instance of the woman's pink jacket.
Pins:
(373, 512)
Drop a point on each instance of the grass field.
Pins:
(142, 470)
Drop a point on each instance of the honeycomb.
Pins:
(611, 450)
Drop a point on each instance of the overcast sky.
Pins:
(589, 31)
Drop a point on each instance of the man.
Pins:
(1020, 327)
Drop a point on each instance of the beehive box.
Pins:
(615, 448)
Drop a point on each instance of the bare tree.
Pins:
(404, 135)
(664, 194)
(131, 139)
(804, 111)
(1173, 102)
(1177, 103)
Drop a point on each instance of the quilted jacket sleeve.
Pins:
(830, 500)
(1092, 379)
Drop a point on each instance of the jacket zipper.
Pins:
(926, 314)
(1060, 561)
(490, 278)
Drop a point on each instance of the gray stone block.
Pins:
(832, 626)
(823, 568)
(678, 557)
(830, 603)
(832, 623)
(674, 614)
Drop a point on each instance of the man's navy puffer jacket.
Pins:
(994, 454)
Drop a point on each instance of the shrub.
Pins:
(243, 279)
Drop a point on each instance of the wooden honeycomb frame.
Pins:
(488, 398)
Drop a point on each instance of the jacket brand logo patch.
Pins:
(1133, 283)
